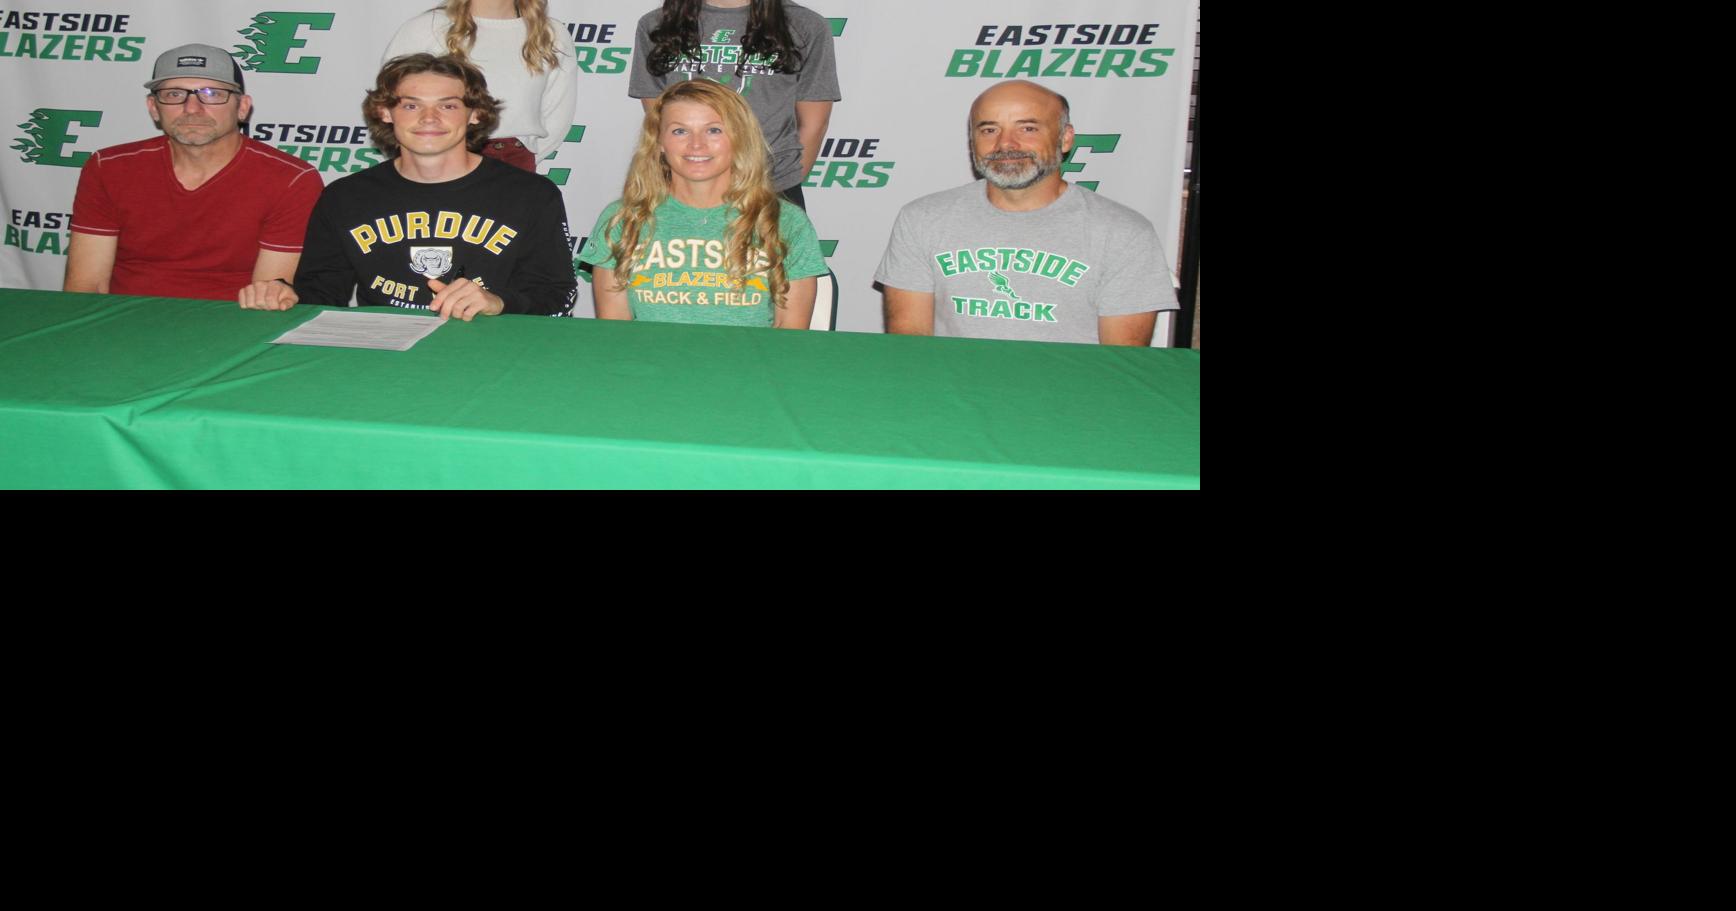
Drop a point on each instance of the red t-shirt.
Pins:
(202, 243)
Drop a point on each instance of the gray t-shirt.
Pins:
(772, 95)
(1045, 275)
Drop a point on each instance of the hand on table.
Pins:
(272, 295)
(463, 299)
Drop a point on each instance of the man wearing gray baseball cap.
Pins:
(200, 211)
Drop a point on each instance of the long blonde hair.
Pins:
(539, 47)
(753, 222)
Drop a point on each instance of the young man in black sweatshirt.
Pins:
(437, 226)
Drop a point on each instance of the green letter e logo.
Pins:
(45, 136)
(274, 37)
(1098, 143)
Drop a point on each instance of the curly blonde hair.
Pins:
(539, 46)
(755, 206)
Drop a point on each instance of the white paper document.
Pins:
(348, 329)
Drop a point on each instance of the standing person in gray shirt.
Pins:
(1022, 254)
(776, 54)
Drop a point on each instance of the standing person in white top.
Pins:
(526, 57)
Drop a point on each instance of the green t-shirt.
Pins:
(681, 277)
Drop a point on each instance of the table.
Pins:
(109, 391)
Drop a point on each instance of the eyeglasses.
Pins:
(179, 96)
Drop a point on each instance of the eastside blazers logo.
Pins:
(594, 49)
(558, 176)
(850, 163)
(1098, 144)
(274, 36)
(63, 35)
(1063, 50)
(721, 56)
(47, 134)
(32, 231)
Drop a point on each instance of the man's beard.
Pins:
(194, 134)
(1036, 168)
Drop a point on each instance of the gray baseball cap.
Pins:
(196, 61)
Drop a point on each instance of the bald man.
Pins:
(1022, 254)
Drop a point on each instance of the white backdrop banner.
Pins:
(74, 72)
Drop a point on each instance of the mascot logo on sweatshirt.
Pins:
(431, 262)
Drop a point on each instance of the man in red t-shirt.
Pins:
(201, 211)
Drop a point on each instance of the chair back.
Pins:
(825, 303)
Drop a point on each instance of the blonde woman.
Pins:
(699, 235)
(526, 57)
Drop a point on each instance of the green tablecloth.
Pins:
(100, 391)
